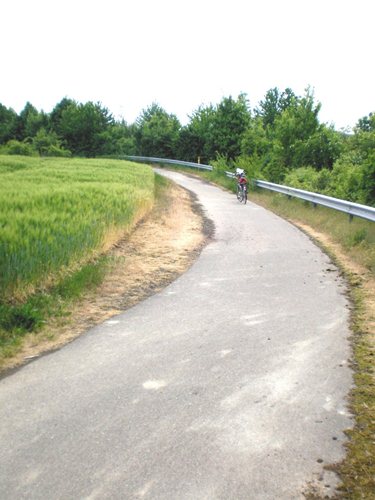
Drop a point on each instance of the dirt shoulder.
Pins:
(161, 248)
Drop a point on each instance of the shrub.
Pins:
(309, 179)
(14, 147)
(222, 164)
(347, 181)
(57, 151)
(252, 166)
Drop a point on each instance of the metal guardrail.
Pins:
(146, 159)
(352, 209)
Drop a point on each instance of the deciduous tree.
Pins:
(82, 126)
(8, 124)
(230, 121)
(157, 132)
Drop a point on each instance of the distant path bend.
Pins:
(229, 384)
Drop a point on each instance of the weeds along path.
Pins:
(229, 383)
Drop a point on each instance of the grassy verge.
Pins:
(57, 218)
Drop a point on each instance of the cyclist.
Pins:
(241, 178)
(241, 185)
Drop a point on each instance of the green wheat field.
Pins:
(57, 214)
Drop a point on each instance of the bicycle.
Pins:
(242, 193)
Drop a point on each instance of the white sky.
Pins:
(183, 53)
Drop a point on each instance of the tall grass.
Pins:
(56, 213)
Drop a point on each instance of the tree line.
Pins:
(280, 140)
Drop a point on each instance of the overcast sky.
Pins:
(183, 53)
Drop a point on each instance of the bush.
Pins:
(222, 164)
(347, 181)
(57, 151)
(302, 178)
(48, 144)
(14, 147)
(252, 166)
(309, 179)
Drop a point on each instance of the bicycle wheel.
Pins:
(245, 195)
(239, 194)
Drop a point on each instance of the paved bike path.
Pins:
(230, 383)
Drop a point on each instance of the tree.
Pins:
(366, 124)
(8, 124)
(83, 128)
(368, 180)
(361, 149)
(157, 132)
(119, 139)
(216, 131)
(321, 149)
(286, 134)
(30, 120)
(56, 114)
(196, 138)
(293, 128)
(255, 140)
(230, 120)
(274, 103)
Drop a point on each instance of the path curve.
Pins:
(230, 383)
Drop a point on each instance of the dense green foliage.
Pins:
(56, 213)
(280, 140)
(157, 133)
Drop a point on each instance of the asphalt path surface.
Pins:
(228, 384)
